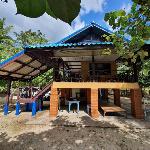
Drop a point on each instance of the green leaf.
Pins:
(49, 11)
(66, 10)
(120, 13)
(107, 38)
(31, 8)
(145, 72)
(107, 16)
(145, 53)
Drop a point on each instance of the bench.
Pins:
(112, 108)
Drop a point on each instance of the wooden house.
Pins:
(79, 68)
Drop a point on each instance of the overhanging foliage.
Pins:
(66, 10)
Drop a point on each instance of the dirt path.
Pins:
(72, 131)
(75, 138)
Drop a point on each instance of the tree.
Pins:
(7, 47)
(29, 38)
(144, 77)
(66, 10)
(135, 27)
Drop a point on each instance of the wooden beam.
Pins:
(33, 71)
(11, 72)
(12, 78)
(75, 68)
(74, 65)
(43, 71)
(96, 85)
(22, 65)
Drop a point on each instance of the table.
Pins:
(74, 102)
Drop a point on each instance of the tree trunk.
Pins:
(135, 73)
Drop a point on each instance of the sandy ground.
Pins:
(72, 131)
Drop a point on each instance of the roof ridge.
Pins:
(82, 29)
(73, 34)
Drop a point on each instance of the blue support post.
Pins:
(33, 108)
(17, 108)
(6, 109)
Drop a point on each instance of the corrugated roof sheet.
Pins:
(57, 45)
(21, 67)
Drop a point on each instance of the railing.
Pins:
(101, 78)
(121, 76)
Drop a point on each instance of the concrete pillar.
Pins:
(136, 104)
(54, 102)
(117, 97)
(94, 103)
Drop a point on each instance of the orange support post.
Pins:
(54, 102)
(94, 103)
(136, 104)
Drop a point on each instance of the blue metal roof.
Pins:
(93, 24)
(57, 45)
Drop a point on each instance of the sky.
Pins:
(55, 30)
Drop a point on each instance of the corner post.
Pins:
(54, 102)
(94, 103)
(136, 103)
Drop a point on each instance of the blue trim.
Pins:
(12, 58)
(102, 28)
(62, 44)
(74, 34)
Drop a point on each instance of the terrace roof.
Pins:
(37, 59)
